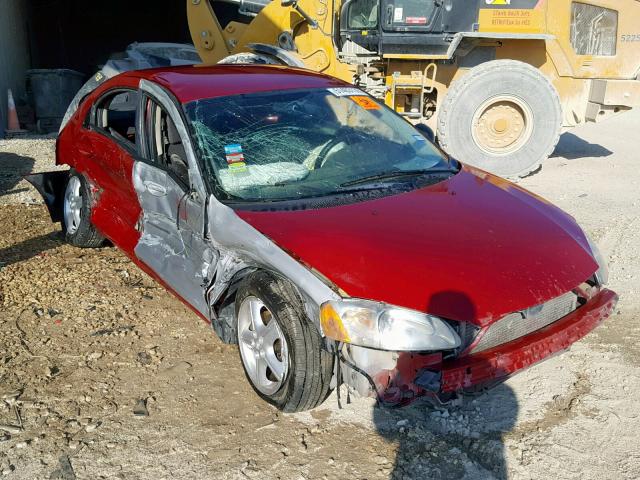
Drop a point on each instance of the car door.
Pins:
(107, 145)
(172, 196)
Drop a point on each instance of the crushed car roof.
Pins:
(191, 83)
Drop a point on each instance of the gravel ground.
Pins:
(87, 341)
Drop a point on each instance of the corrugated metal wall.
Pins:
(14, 53)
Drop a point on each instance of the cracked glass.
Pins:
(295, 144)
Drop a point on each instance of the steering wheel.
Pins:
(342, 135)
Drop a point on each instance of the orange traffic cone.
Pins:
(13, 122)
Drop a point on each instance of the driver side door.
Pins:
(172, 198)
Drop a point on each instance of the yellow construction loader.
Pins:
(497, 80)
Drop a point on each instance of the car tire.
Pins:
(503, 116)
(76, 214)
(250, 59)
(305, 367)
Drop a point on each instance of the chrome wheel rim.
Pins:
(263, 348)
(72, 205)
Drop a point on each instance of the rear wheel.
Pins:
(76, 220)
(280, 348)
(504, 116)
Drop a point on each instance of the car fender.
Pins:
(243, 247)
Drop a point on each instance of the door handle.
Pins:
(155, 189)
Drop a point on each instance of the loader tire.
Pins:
(503, 116)
(250, 59)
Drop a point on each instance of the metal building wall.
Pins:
(14, 53)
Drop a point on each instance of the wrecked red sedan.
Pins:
(323, 233)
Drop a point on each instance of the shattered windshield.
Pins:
(295, 144)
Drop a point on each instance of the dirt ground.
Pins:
(86, 339)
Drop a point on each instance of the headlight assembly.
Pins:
(385, 327)
(602, 275)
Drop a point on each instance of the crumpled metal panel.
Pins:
(594, 29)
(167, 249)
(478, 369)
(241, 246)
(519, 324)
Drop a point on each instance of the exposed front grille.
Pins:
(594, 30)
(519, 324)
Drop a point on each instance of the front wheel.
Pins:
(280, 349)
(76, 220)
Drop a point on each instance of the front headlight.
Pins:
(602, 275)
(385, 327)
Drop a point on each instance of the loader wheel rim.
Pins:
(502, 125)
(73, 205)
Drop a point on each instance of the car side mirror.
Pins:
(426, 131)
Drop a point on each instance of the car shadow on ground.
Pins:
(573, 147)
(12, 168)
(32, 247)
(464, 441)
(461, 440)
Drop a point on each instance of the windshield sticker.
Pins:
(416, 20)
(234, 153)
(235, 158)
(345, 91)
(366, 102)
(237, 167)
(397, 14)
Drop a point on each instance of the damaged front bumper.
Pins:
(400, 377)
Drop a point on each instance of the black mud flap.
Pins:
(51, 186)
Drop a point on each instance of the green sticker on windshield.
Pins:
(237, 167)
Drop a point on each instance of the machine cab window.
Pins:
(363, 14)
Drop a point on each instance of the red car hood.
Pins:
(471, 248)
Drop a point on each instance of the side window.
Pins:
(164, 143)
(115, 114)
(594, 29)
(363, 14)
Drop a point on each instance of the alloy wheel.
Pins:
(73, 205)
(263, 347)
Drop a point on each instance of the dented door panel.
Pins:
(162, 245)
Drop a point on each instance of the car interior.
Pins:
(167, 147)
(117, 115)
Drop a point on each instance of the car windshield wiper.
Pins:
(392, 175)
